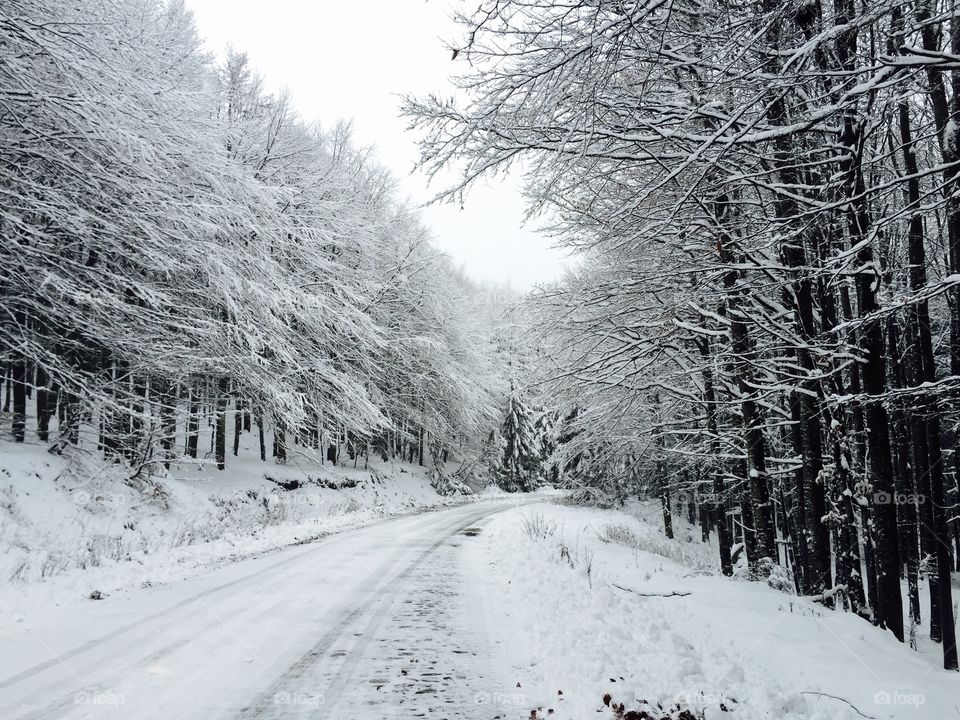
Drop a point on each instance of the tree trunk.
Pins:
(164, 394)
(237, 425)
(800, 517)
(719, 501)
(193, 423)
(759, 495)
(867, 282)
(6, 389)
(220, 428)
(263, 439)
(45, 404)
(948, 136)
(18, 383)
(280, 440)
(816, 573)
(747, 524)
(665, 506)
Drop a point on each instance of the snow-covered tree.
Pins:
(519, 467)
(764, 199)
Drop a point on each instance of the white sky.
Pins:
(352, 59)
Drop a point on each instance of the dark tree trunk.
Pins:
(237, 425)
(816, 572)
(166, 404)
(756, 475)
(45, 404)
(759, 493)
(798, 512)
(280, 440)
(263, 439)
(704, 523)
(814, 501)
(220, 427)
(6, 390)
(890, 610)
(947, 134)
(18, 383)
(747, 523)
(716, 468)
(193, 423)
(665, 506)
(911, 457)
(867, 281)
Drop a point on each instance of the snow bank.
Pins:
(71, 525)
(590, 605)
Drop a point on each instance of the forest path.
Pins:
(378, 622)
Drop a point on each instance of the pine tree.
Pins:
(519, 466)
(546, 443)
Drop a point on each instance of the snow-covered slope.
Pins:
(595, 602)
(74, 524)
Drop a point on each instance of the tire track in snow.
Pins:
(139, 623)
(266, 705)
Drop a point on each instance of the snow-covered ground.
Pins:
(371, 623)
(595, 602)
(504, 608)
(73, 525)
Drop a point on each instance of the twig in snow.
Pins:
(635, 592)
(834, 697)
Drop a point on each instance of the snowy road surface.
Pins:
(472, 613)
(379, 622)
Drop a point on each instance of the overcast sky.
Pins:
(346, 59)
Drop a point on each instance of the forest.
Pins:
(180, 250)
(761, 331)
(764, 329)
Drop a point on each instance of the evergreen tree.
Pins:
(519, 466)
(546, 441)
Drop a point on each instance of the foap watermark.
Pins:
(500, 698)
(292, 499)
(492, 299)
(302, 699)
(896, 697)
(685, 700)
(885, 498)
(108, 499)
(102, 698)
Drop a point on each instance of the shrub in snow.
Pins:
(777, 576)
(643, 537)
(536, 527)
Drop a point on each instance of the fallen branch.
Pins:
(844, 700)
(641, 594)
(826, 594)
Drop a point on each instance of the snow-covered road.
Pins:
(469, 612)
(377, 622)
